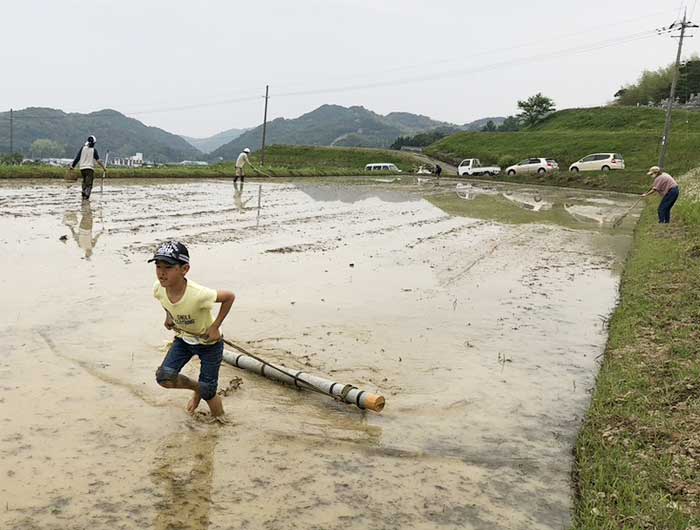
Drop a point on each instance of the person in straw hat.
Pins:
(667, 187)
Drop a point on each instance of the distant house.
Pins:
(128, 161)
(57, 162)
(193, 163)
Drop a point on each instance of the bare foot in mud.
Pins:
(194, 403)
(208, 418)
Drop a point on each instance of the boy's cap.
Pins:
(172, 252)
(653, 170)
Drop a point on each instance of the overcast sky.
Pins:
(453, 60)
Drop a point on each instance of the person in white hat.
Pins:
(667, 187)
(241, 162)
(86, 159)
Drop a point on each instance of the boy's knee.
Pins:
(207, 391)
(165, 377)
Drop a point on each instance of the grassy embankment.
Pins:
(638, 454)
(569, 135)
(280, 161)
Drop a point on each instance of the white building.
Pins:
(129, 161)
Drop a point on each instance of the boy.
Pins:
(188, 308)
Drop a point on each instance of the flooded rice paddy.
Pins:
(478, 311)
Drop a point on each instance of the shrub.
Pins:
(506, 160)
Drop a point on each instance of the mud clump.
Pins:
(233, 385)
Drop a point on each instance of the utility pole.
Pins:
(667, 125)
(262, 156)
(12, 150)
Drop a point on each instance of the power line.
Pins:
(626, 39)
(461, 72)
(547, 40)
(683, 25)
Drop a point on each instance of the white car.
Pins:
(382, 167)
(598, 162)
(530, 166)
(472, 167)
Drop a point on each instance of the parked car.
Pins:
(529, 166)
(598, 162)
(554, 163)
(382, 167)
(472, 167)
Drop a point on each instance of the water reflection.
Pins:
(355, 193)
(238, 201)
(82, 230)
(183, 473)
(530, 201)
(503, 203)
(469, 191)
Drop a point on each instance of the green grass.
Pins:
(280, 161)
(331, 158)
(638, 454)
(618, 118)
(571, 134)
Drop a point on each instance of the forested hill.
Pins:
(116, 133)
(332, 125)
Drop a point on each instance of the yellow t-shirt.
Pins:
(192, 313)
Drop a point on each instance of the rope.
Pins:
(296, 377)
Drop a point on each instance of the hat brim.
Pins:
(166, 259)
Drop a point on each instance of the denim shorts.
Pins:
(210, 356)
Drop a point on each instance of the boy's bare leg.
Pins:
(194, 402)
(216, 406)
(182, 381)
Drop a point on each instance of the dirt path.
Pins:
(447, 169)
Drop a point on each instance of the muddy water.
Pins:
(478, 315)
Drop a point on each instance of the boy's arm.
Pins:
(169, 324)
(225, 298)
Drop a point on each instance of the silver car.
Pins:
(598, 162)
(530, 166)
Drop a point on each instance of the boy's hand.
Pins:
(213, 334)
(169, 324)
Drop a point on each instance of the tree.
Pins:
(688, 80)
(510, 124)
(44, 148)
(11, 159)
(489, 127)
(535, 108)
(652, 87)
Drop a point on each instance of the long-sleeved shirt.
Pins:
(242, 160)
(86, 157)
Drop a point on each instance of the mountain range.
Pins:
(116, 133)
(332, 125)
(207, 145)
(328, 125)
